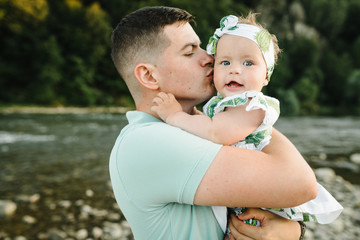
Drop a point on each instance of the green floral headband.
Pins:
(229, 25)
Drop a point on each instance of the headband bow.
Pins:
(262, 38)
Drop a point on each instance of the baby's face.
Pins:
(239, 66)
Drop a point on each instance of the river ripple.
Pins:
(314, 135)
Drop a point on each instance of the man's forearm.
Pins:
(300, 174)
(279, 177)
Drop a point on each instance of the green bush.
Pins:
(289, 103)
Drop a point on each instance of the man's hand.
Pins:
(166, 105)
(272, 227)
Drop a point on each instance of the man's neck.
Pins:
(146, 108)
(187, 106)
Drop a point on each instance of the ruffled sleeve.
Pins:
(257, 100)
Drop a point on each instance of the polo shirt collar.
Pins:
(140, 117)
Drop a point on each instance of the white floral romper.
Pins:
(323, 209)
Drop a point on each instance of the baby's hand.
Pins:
(165, 105)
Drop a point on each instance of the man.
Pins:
(165, 179)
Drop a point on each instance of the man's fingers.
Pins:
(236, 226)
(252, 213)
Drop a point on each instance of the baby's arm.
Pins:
(225, 128)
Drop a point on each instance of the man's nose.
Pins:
(206, 60)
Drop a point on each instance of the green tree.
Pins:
(289, 103)
(117, 9)
(336, 68)
(22, 31)
(350, 29)
(79, 90)
(43, 88)
(83, 36)
(356, 53)
(303, 54)
(307, 92)
(281, 77)
(327, 16)
(352, 89)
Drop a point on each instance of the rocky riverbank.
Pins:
(37, 217)
(78, 219)
(346, 227)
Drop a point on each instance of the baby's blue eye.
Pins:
(248, 63)
(225, 63)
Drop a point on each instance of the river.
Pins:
(65, 157)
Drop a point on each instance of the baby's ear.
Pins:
(265, 82)
(144, 73)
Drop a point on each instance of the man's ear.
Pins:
(144, 73)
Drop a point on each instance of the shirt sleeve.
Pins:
(166, 165)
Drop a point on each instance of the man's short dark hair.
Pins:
(139, 36)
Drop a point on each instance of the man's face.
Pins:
(184, 69)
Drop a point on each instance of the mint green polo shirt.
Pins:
(155, 170)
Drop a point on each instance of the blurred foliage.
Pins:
(57, 52)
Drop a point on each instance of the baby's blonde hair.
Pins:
(251, 20)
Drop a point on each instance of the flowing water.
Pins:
(61, 156)
(64, 153)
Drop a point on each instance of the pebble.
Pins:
(20, 238)
(64, 203)
(7, 208)
(89, 193)
(114, 230)
(97, 232)
(114, 217)
(82, 234)
(29, 219)
(325, 174)
(56, 234)
(322, 156)
(355, 158)
(28, 199)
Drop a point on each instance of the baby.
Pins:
(240, 115)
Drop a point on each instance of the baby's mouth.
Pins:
(234, 84)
